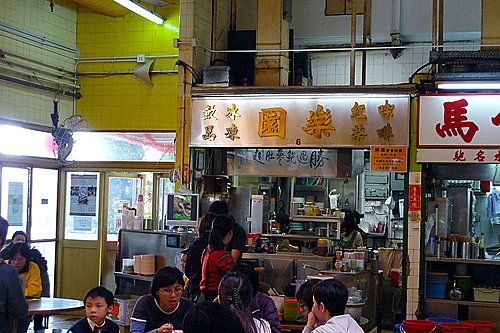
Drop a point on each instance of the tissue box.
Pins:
(122, 309)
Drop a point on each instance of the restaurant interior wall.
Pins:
(121, 102)
(34, 17)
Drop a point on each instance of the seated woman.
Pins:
(36, 257)
(211, 317)
(20, 258)
(262, 305)
(235, 291)
(350, 237)
(216, 261)
(164, 309)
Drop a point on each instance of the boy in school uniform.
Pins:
(98, 304)
(330, 299)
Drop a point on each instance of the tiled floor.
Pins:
(60, 322)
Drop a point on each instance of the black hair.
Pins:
(4, 227)
(24, 250)
(206, 223)
(211, 317)
(19, 232)
(236, 292)
(333, 294)
(221, 226)
(250, 273)
(165, 277)
(219, 207)
(350, 223)
(100, 291)
(305, 293)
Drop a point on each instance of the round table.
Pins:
(49, 305)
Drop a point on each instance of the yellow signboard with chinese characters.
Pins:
(292, 121)
(388, 158)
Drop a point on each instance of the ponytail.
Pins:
(221, 226)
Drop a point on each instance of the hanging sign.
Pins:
(291, 121)
(283, 162)
(458, 121)
(83, 194)
(388, 158)
(415, 197)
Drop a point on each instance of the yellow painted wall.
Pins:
(121, 102)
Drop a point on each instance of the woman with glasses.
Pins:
(164, 309)
(305, 297)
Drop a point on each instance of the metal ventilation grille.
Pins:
(467, 65)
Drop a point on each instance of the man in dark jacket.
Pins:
(13, 306)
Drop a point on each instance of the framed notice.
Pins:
(388, 158)
(415, 197)
(15, 204)
(83, 194)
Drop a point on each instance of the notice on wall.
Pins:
(82, 223)
(83, 195)
(388, 158)
(415, 197)
(15, 204)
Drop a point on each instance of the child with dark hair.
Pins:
(262, 305)
(211, 317)
(193, 259)
(164, 309)
(304, 297)
(329, 301)
(98, 304)
(216, 261)
(237, 244)
(20, 258)
(235, 291)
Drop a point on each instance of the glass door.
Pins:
(14, 198)
(122, 189)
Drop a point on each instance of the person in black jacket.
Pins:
(13, 306)
(193, 260)
(36, 257)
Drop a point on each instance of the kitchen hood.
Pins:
(489, 172)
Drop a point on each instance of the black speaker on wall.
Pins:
(242, 65)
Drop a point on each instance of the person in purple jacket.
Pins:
(262, 305)
(13, 306)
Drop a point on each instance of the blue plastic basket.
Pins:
(436, 289)
(397, 328)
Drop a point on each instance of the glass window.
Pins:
(108, 146)
(121, 191)
(14, 198)
(15, 140)
(82, 205)
(48, 250)
(44, 204)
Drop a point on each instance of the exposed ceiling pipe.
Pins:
(38, 62)
(124, 58)
(43, 41)
(46, 71)
(39, 86)
(38, 77)
(160, 71)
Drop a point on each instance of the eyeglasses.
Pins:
(301, 305)
(171, 291)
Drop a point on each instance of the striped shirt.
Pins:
(215, 264)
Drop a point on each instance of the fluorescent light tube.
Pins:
(138, 9)
(469, 86)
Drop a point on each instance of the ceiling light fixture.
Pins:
(469, 85)
(140, 10)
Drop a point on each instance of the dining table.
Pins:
(47, 306)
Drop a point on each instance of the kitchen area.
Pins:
(291, 169)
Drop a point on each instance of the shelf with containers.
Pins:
(472, 283)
